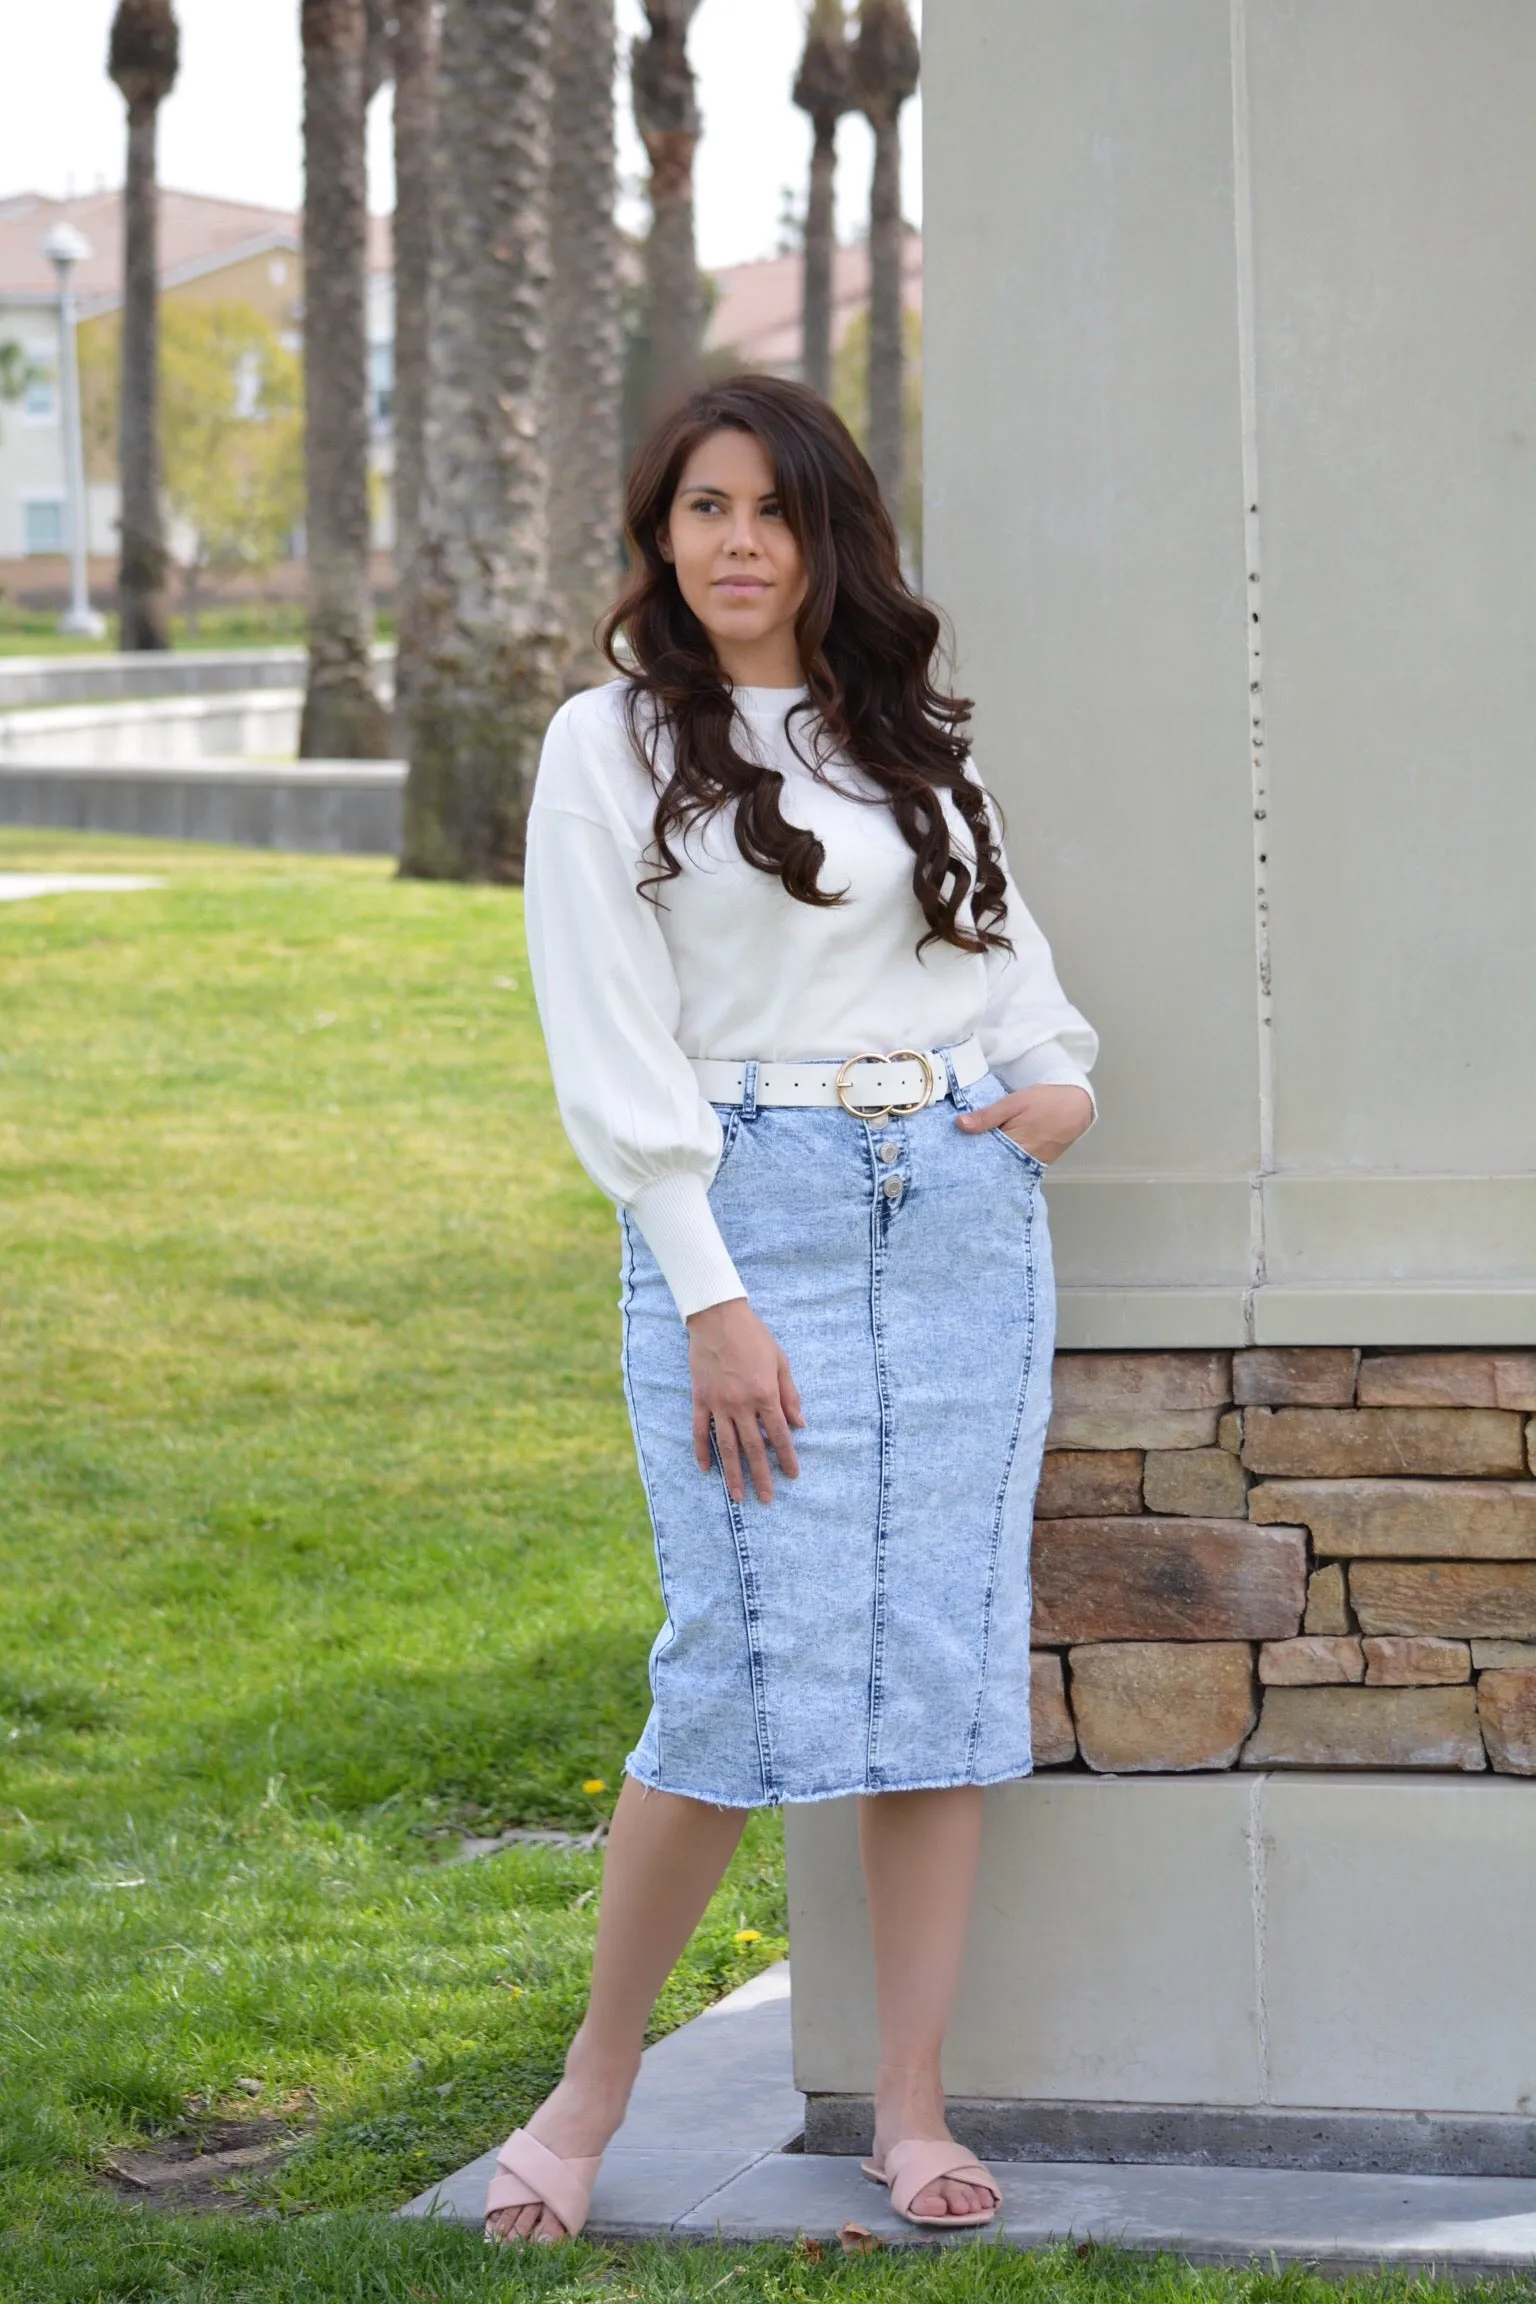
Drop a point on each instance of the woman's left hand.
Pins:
(1045, 1121)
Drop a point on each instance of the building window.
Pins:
(37, 399)
(42, 524)
(381, 385)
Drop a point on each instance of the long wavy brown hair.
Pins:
(868, 646)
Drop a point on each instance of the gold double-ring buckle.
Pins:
(885, 1111)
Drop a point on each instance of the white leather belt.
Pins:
(872, 1086)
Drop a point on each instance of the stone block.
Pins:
(1053, 1739)
(1138, 1399)
(1079, 1481)
(1204, 1483)
(1166, 1579)
(1318, 1660)
(1395, 1661)
(1295, 1376)
(1504, 1655)
(1448, 1380)
(1453, 1599)
(1132, 1427)
(1152, 1379)
(1162, 1706)
(1327, 1601)
(1406, 1519)
(1367, 1728)
(1229, 1431)
(1506, 1704)
(1365, 1443)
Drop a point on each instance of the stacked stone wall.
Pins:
(1288, 1558)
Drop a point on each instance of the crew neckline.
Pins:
(768, 699)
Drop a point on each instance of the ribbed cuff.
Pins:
(1046, 1066)
(681, 1233)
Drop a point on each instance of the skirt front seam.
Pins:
(999, 1512)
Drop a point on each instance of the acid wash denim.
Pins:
(867, 1630)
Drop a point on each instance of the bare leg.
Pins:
(919, 1851)
(664, 1861)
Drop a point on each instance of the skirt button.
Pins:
(893, 1187)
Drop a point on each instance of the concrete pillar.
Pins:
(1231, 495)
(1231, 461)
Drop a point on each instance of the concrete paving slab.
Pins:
(16, 887)
(702, 2156)
(1459, 2224)
(711, 2099)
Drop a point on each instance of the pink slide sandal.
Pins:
(529, 2175)
(913, 2167)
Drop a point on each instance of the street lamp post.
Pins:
(65, 248)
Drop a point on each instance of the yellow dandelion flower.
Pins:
(595, 1784)
(749, 1936)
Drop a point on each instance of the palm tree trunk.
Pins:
(886, 349)
(820, 246)
(342, 716)
(415, 59)
(667, 116)
(143, 56)
(823, 89)
(885, 70)
(486, 677)
(586, 352)
(143, 605)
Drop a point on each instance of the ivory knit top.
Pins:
(731, 965)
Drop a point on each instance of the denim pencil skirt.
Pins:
(867, 1630)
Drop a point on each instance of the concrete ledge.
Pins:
(1156, 1318)
(333, 807)
(173, 672)
(1205, 2136)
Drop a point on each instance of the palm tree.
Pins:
(586, 351)
(823, 88)
(885, 68)
(415, 69)
(486, 674)
(667, 116)
(142, 58)
(342, 716)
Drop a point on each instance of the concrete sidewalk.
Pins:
(702, 2156)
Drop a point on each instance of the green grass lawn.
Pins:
(254, 624)
(320, 1541)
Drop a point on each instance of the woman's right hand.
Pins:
(741, 1385)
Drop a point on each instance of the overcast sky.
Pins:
(232, 124)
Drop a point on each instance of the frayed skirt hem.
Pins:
(833, 1792)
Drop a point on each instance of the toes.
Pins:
(550, 2228)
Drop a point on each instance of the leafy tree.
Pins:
(232, 433)
(16, 370)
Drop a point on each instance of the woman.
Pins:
(757, 856)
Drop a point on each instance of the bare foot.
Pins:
(574, 2121)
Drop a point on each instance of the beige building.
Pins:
(212, 251)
